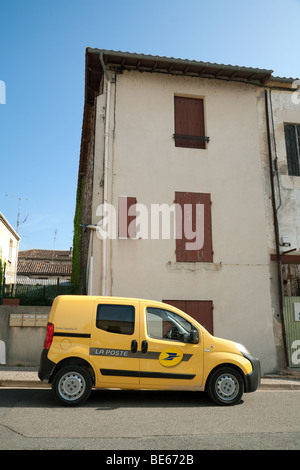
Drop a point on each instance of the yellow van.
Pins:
(112, 342)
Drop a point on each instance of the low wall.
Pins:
(22, 334)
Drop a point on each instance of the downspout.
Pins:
(276, 230)
(104, 67)
(91, 267)
(105, 171)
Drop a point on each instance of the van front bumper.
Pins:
(252, 380)
(46, 367)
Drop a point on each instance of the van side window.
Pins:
(163, 324)
(116, 319)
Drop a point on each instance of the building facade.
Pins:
(9, 246)
(279, 124)
(174, 198)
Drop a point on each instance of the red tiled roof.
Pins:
(46, 255)
(45, 269)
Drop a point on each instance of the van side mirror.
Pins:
(194, 337)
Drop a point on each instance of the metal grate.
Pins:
(191, 137)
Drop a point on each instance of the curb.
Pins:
(29, 380)
(23, 384)
(280, 386)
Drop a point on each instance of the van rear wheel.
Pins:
(72, 385)
(225, 386)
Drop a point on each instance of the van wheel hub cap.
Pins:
(71, 386)
(227, 387)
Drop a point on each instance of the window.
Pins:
(189, 123)
(194, 242)
(162, 324)
(292, 141)
(116, 319)
(10, 250)
(127, 217)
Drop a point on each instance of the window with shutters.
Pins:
(194, 242)
(127, 217)
(292, 141)
(189, 123)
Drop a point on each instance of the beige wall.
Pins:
(9, 245)
(144, 162)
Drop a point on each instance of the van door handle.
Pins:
(134, 346)
(144, 346)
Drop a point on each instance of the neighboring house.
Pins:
(175, 195)
(280, 152)
(284, 133)
(39, 265)
(9, 245)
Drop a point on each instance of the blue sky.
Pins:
(42, 53)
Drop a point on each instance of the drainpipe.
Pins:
(105, 171)
(276, 230)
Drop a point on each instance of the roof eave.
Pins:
(132, 61)
(9, 227)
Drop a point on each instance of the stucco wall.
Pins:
(9, 245)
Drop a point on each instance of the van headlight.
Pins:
(242, 348)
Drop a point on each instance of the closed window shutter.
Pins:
(204, 254)
(126, 217)
(189, 122)
(131, 211)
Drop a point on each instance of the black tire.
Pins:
(225, 386)
(72, 385)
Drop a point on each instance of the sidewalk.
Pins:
(28, 377)
(20, 377)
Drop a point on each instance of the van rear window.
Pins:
(116, 319)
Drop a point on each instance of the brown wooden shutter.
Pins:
(131, 201)
(200, 310)
(205, 254)
(125, 228)
(189, 122)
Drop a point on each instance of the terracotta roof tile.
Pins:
(46, 254)
(36, 267)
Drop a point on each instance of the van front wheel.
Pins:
(72, 385)
(225, 386)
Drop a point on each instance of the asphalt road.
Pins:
(152, 420)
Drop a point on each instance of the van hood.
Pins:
(223, 345)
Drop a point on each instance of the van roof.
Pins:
(92, 298)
